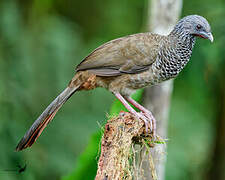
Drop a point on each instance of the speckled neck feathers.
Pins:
(175, 52)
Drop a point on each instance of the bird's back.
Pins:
(130, 54)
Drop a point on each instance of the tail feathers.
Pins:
(38, 126)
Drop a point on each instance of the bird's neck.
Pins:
(182, 38)
(174, 55)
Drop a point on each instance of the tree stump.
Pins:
(117, 159)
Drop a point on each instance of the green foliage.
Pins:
(87, 161)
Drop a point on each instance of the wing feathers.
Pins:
(130, 54)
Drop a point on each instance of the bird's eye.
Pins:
(198, 27)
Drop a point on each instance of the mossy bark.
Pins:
(117, 159)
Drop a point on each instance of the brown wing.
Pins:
(130, 54)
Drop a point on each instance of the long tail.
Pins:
(38, 126)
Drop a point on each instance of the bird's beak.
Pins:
(206, 35)
(210, 37)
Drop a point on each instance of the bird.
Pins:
(126, 64)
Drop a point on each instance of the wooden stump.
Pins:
(116, 159)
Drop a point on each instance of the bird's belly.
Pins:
(127, 84)
(141, 80)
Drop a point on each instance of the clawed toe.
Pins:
(149, 121)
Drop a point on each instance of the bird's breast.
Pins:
(170, 62)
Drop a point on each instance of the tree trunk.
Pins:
(163, 15)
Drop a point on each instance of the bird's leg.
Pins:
(130, 109)
(146, 112)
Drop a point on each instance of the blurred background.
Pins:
(42, 41)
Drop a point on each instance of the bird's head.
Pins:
(194, 25)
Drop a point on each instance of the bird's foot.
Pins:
(145, 114)
(151, 120)
(147, 121)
